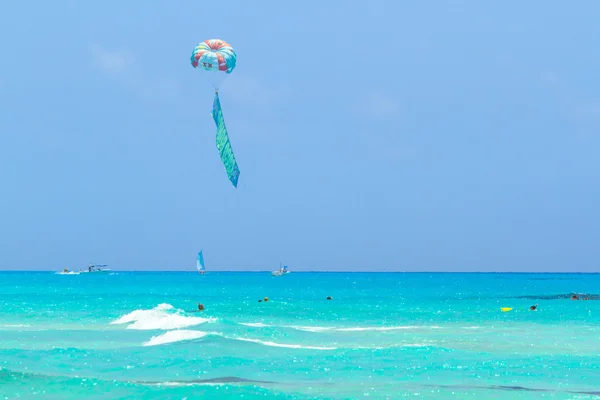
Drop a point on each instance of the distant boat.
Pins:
(281, 271)
(67, 272)
(96, 269)
(200, 263)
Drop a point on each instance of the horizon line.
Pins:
(326, 271)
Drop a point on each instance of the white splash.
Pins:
(384, 328)
(289, 346)
(351, 329)
(255, 324)
(175, 336)
(164, 316)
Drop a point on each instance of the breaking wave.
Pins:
(175, 336)
(339, 329)
(255, 324)
(289, 346)
(164, 316)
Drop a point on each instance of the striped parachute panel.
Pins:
(214, 55)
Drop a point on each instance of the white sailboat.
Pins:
(281, 271)
(96, 269)
(200, 263)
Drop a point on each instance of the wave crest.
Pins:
(341, 329)
(289, 346)
(164, 317)
(175, 336)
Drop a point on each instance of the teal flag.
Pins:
(223, 144)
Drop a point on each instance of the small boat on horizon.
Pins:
(200, 263)
(281, 271)
(96, 269)
(67, 272)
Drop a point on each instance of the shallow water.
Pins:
(384, 335)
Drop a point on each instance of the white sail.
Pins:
(200, 263)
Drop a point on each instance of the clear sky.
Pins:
(377, 135)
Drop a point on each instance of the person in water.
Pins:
(200, 307)
(575, 297)
(533, 308)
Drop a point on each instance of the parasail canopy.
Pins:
(216, 58)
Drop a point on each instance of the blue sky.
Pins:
(380, 135)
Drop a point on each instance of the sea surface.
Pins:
(382, 336)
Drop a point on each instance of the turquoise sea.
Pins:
(383, 336)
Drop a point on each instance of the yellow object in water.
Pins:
(505, 309)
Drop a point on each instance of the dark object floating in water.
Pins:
(224, 379)
(512, 388)
(260, 301)
(329, 298)
(554, 279)
(227, 379)
(562, 296)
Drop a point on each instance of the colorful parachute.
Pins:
(214, 55)
(216, 59)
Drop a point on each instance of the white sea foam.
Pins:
(289, 346)
(395, 346)
(255, 324)
(163, 316)
(14, 326)
(310, 328)
(175, 336)
(187, 384)
(350, 329)
(414, 345)
(385, 328)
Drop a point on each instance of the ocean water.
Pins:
(383, 335)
